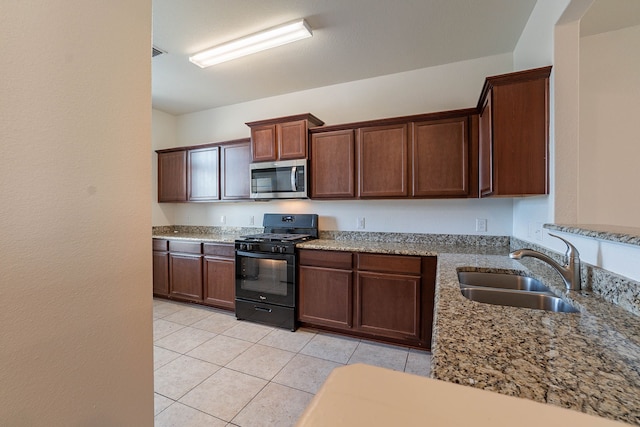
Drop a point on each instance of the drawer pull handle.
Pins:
(266, 310)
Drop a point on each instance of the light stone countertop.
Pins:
(202, 237)
(587, 361)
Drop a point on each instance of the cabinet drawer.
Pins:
(219, 249)
(389, 263)
(329, 259)
(160, 244)
(187, 247)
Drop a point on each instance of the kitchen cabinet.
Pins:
(283, 138)
(431, 155)
(160, 267)
(384, 297)
(441, 158)
(332, 164)
(325, 288)
(172, 176)
(203, 174)
(388, 300)
(185, 270)
(201, 272)
(382, 161)
(235, 159)
(219, 275)
(514, 130)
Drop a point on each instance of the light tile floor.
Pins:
(213, 370)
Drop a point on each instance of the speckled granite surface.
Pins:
(202, 233)
(612, 233)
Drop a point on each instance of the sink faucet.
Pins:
(570, 272)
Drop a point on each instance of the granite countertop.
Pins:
(202, 237)
(587, 361)
(611, 233)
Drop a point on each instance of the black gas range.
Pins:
(266, 282)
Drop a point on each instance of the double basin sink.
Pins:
(510, 290)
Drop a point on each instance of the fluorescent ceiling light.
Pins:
(273, 37)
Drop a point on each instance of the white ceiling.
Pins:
(352, 40)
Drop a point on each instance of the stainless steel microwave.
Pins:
(286, 179)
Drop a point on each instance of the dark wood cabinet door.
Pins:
(325, 297)
(185, 276)
(160, 273)
(514, 134)
(203, 174)
(292, 140)
(219, 282)
(485, 149)
(520, 131)
(440, 151)
(388, 305)
(332, 163)
(263, 143)
(235, 160)
(172, 176)
(383, 161)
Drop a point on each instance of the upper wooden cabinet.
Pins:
(205, 173)
(234, 163)
(514, 132)
(203, 178)
(284, 138)
(428, 155)
(440, 156)
(382, 153)
(172, 176)
(332, 163)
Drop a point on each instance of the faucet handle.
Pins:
(572, 252)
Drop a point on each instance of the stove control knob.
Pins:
(274, 249)
(243, 246)
(282, 249)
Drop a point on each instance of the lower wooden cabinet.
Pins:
(219, 275)
(385, 297)
(185, 270)
(160, 267)
(195, 271)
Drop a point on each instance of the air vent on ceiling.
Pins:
(156, 52)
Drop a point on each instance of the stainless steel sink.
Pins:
(525, 299)
(501, 280)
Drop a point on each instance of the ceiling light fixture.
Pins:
(273, 37)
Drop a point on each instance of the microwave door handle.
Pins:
(293, 179)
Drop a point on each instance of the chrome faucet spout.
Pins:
(570, 272)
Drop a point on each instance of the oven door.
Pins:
(265, 277)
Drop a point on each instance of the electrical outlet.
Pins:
(360, 223)
(223, 219)
(252, 220)
(481, 225)
(538, 231)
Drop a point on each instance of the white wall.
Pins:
(445, 87)
(569, 174)
(75, 252)
(163, 135)
(609, 110)
(535, 49)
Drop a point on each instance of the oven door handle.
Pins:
(284, 257)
